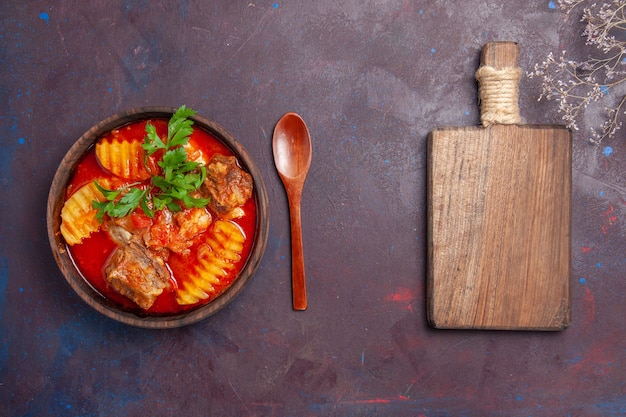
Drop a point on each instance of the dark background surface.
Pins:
(371, 79)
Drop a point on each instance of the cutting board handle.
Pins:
(498, 84)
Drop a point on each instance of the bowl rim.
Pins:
(81, 286)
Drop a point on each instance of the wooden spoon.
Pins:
(292, 157)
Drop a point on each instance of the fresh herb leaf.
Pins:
(152, 142)
(190, 201)
(178, 178)
(160, 202)
(173, 206)
(174, 158)
(129, 202)
(149, 211)
(110, 195)
(101, 209)
(131, 198)
(179, 127)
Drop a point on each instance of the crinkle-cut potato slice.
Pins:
(122, 158)
(78, 217)
(217, 257)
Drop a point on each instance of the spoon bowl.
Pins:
(291, 146)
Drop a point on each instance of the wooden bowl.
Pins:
(76, 280)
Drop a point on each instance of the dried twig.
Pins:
(576, 84)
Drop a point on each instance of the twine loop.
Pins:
(498, 93)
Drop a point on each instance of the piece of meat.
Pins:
(161, 231)
(138, 274)
(119, 234)
(191, 223)
(176, 231)
(228, 185)
(123, 229)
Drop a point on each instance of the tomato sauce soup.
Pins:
(90, 256)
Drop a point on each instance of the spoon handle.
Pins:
(298, 281)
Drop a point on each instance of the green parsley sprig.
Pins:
(172, 187)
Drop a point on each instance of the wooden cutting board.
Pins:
(499, 216)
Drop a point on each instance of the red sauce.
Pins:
(91, 255)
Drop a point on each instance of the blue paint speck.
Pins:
(44, 16)
(433, 50)
(275, 5)
(607, 151)
(601, 194)
(21, 141)
(604, 89)
(599, 265)
(552, 5)
(467, 112)
(421, 11)
(519, 398)
(582, 281)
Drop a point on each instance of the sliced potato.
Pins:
(122, 158)
(78, 217)
(216, 259)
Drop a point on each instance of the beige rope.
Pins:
(498, 92)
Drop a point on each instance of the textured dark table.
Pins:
(371, 79)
